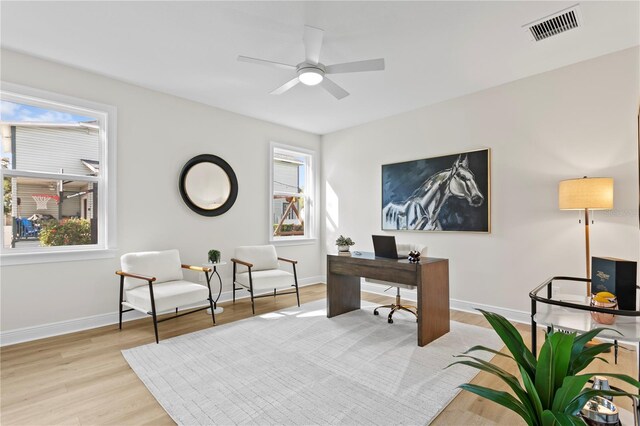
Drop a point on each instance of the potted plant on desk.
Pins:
(344, 243)
(213, 256)
(550, 392)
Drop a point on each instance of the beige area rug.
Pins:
(298, 367)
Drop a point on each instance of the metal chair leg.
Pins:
(233, 283)
(397, 306)
(120, 321)
(153, 311)
(295, 280)
(253, 307)
(213, 314)
(390, 317)
(155, 325)
(375, 311)
(120, 303)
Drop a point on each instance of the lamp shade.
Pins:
(586, 193)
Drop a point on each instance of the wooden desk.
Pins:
(430, 276)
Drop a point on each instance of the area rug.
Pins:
(298, 367)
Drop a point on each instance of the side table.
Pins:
(214, 266)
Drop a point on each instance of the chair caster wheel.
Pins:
(375, 313)
(390, 321)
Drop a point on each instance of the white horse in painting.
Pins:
(420, 211)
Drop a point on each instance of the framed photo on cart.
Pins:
(446, 193)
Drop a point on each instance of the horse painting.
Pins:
(421, 210)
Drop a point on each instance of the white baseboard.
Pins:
(27, 334)
(510, 314)
(457, 305)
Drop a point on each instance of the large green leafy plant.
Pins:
(550, 392)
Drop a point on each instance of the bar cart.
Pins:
(573, 313)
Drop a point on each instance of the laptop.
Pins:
(385, 246)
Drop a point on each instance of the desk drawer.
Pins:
(404, 273)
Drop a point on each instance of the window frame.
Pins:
(311, 206)
(106, 180)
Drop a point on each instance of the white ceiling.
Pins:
(433, 50)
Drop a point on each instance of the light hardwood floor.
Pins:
(82, 378)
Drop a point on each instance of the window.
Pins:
(58, 183)
(292, 210)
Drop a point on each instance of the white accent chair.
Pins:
(256, 269)
(152, 283)
(403, 252)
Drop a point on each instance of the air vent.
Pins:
(557, 23)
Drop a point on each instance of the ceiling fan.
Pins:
(311, 72)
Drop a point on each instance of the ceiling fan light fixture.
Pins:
(310, 76)
(311, 72)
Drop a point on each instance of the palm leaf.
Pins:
(553, 364)
(513, 341)
(499, 397)
(600, 359)
(486, 349)
(571, 387)
(550, 418)
(505, 376)
(586, 357)
(586, 337)
(532, 394)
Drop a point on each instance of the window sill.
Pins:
(56, 256)
(294, 242)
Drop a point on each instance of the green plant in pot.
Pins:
(344, 243)
(550, 390)
(214, 256)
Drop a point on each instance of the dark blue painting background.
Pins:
(399, 180)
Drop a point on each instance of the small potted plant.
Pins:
(344, 243)
(214, 256)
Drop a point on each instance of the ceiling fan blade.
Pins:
(312, 43)
(358, 66)
(334, 89)
(288, 85)
(265, 62)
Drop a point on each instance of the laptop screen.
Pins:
(385, 246)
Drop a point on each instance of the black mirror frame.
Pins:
(233, 180)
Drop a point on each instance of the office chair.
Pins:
(403, 251)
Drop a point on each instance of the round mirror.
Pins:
(208, 185)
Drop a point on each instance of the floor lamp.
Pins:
(586, 194)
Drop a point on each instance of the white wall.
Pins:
(157, 134)
(579, 120)
(575, 121)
